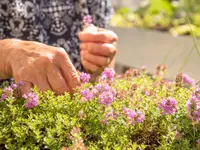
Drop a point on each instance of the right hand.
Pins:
(47, 67)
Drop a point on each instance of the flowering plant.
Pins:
(130, 111)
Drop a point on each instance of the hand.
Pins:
(98, 48)
(47, 67)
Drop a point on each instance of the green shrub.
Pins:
(130, 111)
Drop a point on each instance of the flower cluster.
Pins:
(104, 92)
(106, 98)
(8, 91)
(84, 77)
(108, 74)
(169, 106)
(32, 100)
(133, 116)
(193, 106)
(87, 20)
(112, 115)
(188, 80)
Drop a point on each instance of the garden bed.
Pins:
(139, 47)
(130, 111)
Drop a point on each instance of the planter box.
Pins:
(139, 47)
(133, 4)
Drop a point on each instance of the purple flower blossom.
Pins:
(130, 113)
(140, 116)
(177, 134)
(106, 87)
(84, 77)
(169, 106)
(32, 100)
(106, 98)
(21, 83)
(198, 141)
(94, 91)
(87, 94)
(8, 91)
(3, 97)
(147, 93)
(14, 86)
(133, 116)
(87, 20)
(188, 80)
(108, 73)
(102, 87)
(193, 108)
(196, 93)
(84, 92)
(110, 116)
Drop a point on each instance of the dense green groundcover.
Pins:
(130, 111)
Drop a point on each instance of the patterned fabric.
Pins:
(54, 22)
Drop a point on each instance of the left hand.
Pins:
(98, 48)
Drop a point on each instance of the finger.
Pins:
(68, 70)
(103, 49)
(101, 36)
(56, 80)
(26, 87)
(94, 59)
(89, 66)
(42, 83)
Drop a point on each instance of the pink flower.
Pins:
(84, 77)
(188, 80)
(32, 100)
(14, 86)
(198, 141)
(21, 83)
(87, 94)
(8, 91)
(133, 116)
(140, 116)
(108, 73)
(193, 107)
(130, 114)
(3, 97)
(106, 98)
(169, 106)
(110, 116)
(87, 20)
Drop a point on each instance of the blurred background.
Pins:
(155, 32)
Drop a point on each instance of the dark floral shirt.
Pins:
(54, 22)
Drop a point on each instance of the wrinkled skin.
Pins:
(98, 48)
(47, 67)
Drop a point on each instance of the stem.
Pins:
(194, 38)
(177, 59)
(187, 59)
(167, 55)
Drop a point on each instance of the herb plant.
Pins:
(130, 111)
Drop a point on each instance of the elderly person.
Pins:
(42, 42)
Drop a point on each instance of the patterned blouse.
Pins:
(54, 22)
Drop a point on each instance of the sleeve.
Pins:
(101, 12)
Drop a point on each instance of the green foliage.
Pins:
(73, 122)
(164, 15)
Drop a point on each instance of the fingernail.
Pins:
(108, 60)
